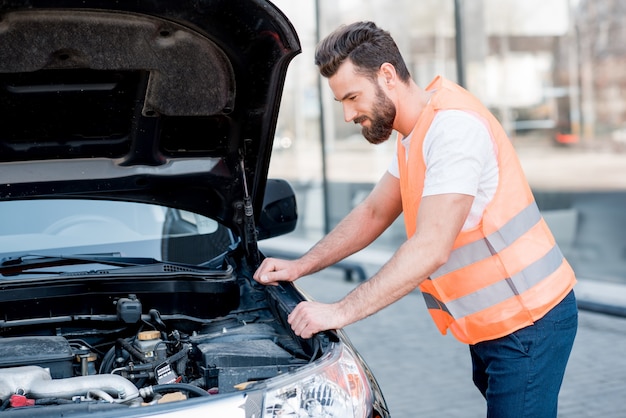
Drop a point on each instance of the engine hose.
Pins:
(132, 350)
(53, 401)
(100, 394)
(136, 367)
(179, 355)
(115, 385)
(150, 365)
(136, 374)
(173, 387)
(155, 316)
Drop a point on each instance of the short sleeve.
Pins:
(457, 148)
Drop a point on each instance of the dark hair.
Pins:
(365, 44)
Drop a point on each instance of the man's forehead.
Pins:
(347, 81)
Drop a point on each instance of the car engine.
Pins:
(140, 359)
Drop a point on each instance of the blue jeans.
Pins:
(520, 375)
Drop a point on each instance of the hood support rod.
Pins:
(250, 233)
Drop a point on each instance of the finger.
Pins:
(292, 317)
(295, 317)
(264, 274)
(299, 320)
(266, 265)
(301, 329)
(304, 330)
(273, 276)
(268, 278)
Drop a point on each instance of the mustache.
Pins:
(360, 119)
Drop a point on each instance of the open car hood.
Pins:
(171, 102)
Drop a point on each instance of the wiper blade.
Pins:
(15, 265)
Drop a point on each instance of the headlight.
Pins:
(335, 386)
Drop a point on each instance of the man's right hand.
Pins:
(274, 270)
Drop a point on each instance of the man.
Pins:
(477, 246)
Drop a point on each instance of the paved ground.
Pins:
(424, 374)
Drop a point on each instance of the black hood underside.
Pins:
(171, 102)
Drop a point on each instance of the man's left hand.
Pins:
(309, 318)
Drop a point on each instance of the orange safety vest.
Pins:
(503, 274)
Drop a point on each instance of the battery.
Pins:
(51, 352)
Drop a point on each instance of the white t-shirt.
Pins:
(460, 158)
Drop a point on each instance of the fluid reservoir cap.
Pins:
(148, 335)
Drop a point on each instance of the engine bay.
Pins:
(140, 355)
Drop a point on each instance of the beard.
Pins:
(383, 115)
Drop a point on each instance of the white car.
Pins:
(135, 141)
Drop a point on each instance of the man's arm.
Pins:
(357, 230)
(439, 221)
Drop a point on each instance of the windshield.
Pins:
(71, 226)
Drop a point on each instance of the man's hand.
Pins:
(309, 318)
(274, 270)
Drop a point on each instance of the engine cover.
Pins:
(49, 352)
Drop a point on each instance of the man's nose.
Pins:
(349, 113)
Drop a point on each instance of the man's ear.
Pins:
(387, 74)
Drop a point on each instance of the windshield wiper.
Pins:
(15, 265)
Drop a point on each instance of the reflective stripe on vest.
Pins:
(502, 290)
(494, 243)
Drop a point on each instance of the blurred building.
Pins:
(551, 70)
(600, 35)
